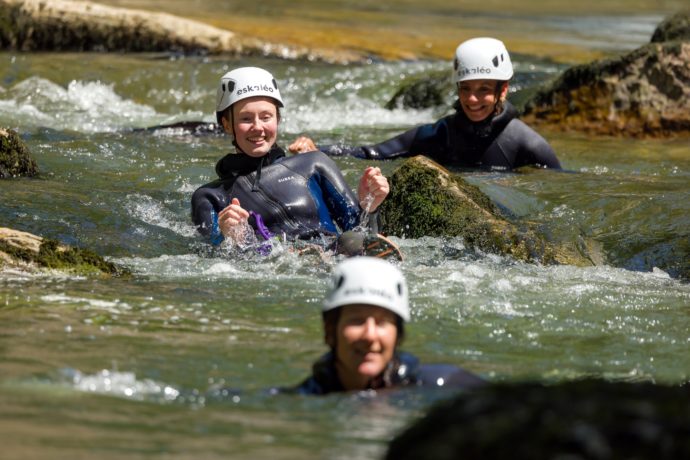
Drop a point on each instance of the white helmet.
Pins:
(482, 58)
(369, 281)
(245, 82)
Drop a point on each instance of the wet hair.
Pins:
(500, 103)
(330, 327)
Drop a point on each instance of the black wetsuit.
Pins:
(303, 196)
(502, 142)
(403, 370)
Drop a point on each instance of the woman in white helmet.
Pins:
(299, 197)
(483, 133)
(363, 317)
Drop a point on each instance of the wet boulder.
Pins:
(644, 93)
(427, 200)
(673, 28)
(587, 419)
(15, 158)
(30, 253)
(431, 91)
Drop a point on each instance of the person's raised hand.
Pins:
(231, 217)
(302, 144)
(373, 189)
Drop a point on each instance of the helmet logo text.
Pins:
(473, 71)
(253, 88)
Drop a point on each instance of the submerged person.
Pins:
(484, 132)
(363, 319)
(298, 197)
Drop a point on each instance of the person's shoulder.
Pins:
(312, 159)
(447, 376)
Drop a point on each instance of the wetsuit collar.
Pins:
(239, 164)
(401, 370)
(490, 126)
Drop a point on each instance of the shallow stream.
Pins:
(93, 368)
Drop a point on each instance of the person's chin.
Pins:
(370, 368)
(478, 115)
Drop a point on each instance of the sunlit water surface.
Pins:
(132, 367)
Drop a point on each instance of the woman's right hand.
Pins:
(232, 216)
(302, 144)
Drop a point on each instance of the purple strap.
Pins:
(260, 226)
(264, 248)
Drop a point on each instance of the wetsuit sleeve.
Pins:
(534, 149)
(207, 202)
(396, 147)
(341, 202)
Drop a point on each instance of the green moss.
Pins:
(675, 27)
(73, 260)
(15, 158)
(426, 200)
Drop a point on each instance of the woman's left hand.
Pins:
(373, 189)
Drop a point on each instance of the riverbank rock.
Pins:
(30, 253)
(427, 200)
(15, 158)
(645, 93)
(62, 25)
(588, 419)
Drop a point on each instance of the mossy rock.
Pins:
(26, 251)
(675, 27)
(430, 91)
(15, 158)
(587, 419)
(427, 200)
(643, 93)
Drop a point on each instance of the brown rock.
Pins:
(645, 93)
(60, 25)
(30, 253)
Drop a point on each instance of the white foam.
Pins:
(123, 384)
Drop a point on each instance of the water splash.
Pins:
(121, 384)
(84, 106)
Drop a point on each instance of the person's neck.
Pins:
(352, 382)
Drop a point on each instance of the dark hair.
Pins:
(500, 103)
(330, 327)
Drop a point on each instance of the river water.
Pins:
(94, 368)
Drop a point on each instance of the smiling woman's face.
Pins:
(255, 122)
(478, 98)
(366, 337)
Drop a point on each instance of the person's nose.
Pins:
(256, 124)
(370, 332)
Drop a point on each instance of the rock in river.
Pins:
(15, 158)
(30, 253)
(427, 200)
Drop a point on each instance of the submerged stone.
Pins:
(645, 93)
(15, 158)
(588, 419)
(25, 251)
(427, 200)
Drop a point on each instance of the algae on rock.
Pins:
(27, 251)
(15, 158)
(427, 200)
